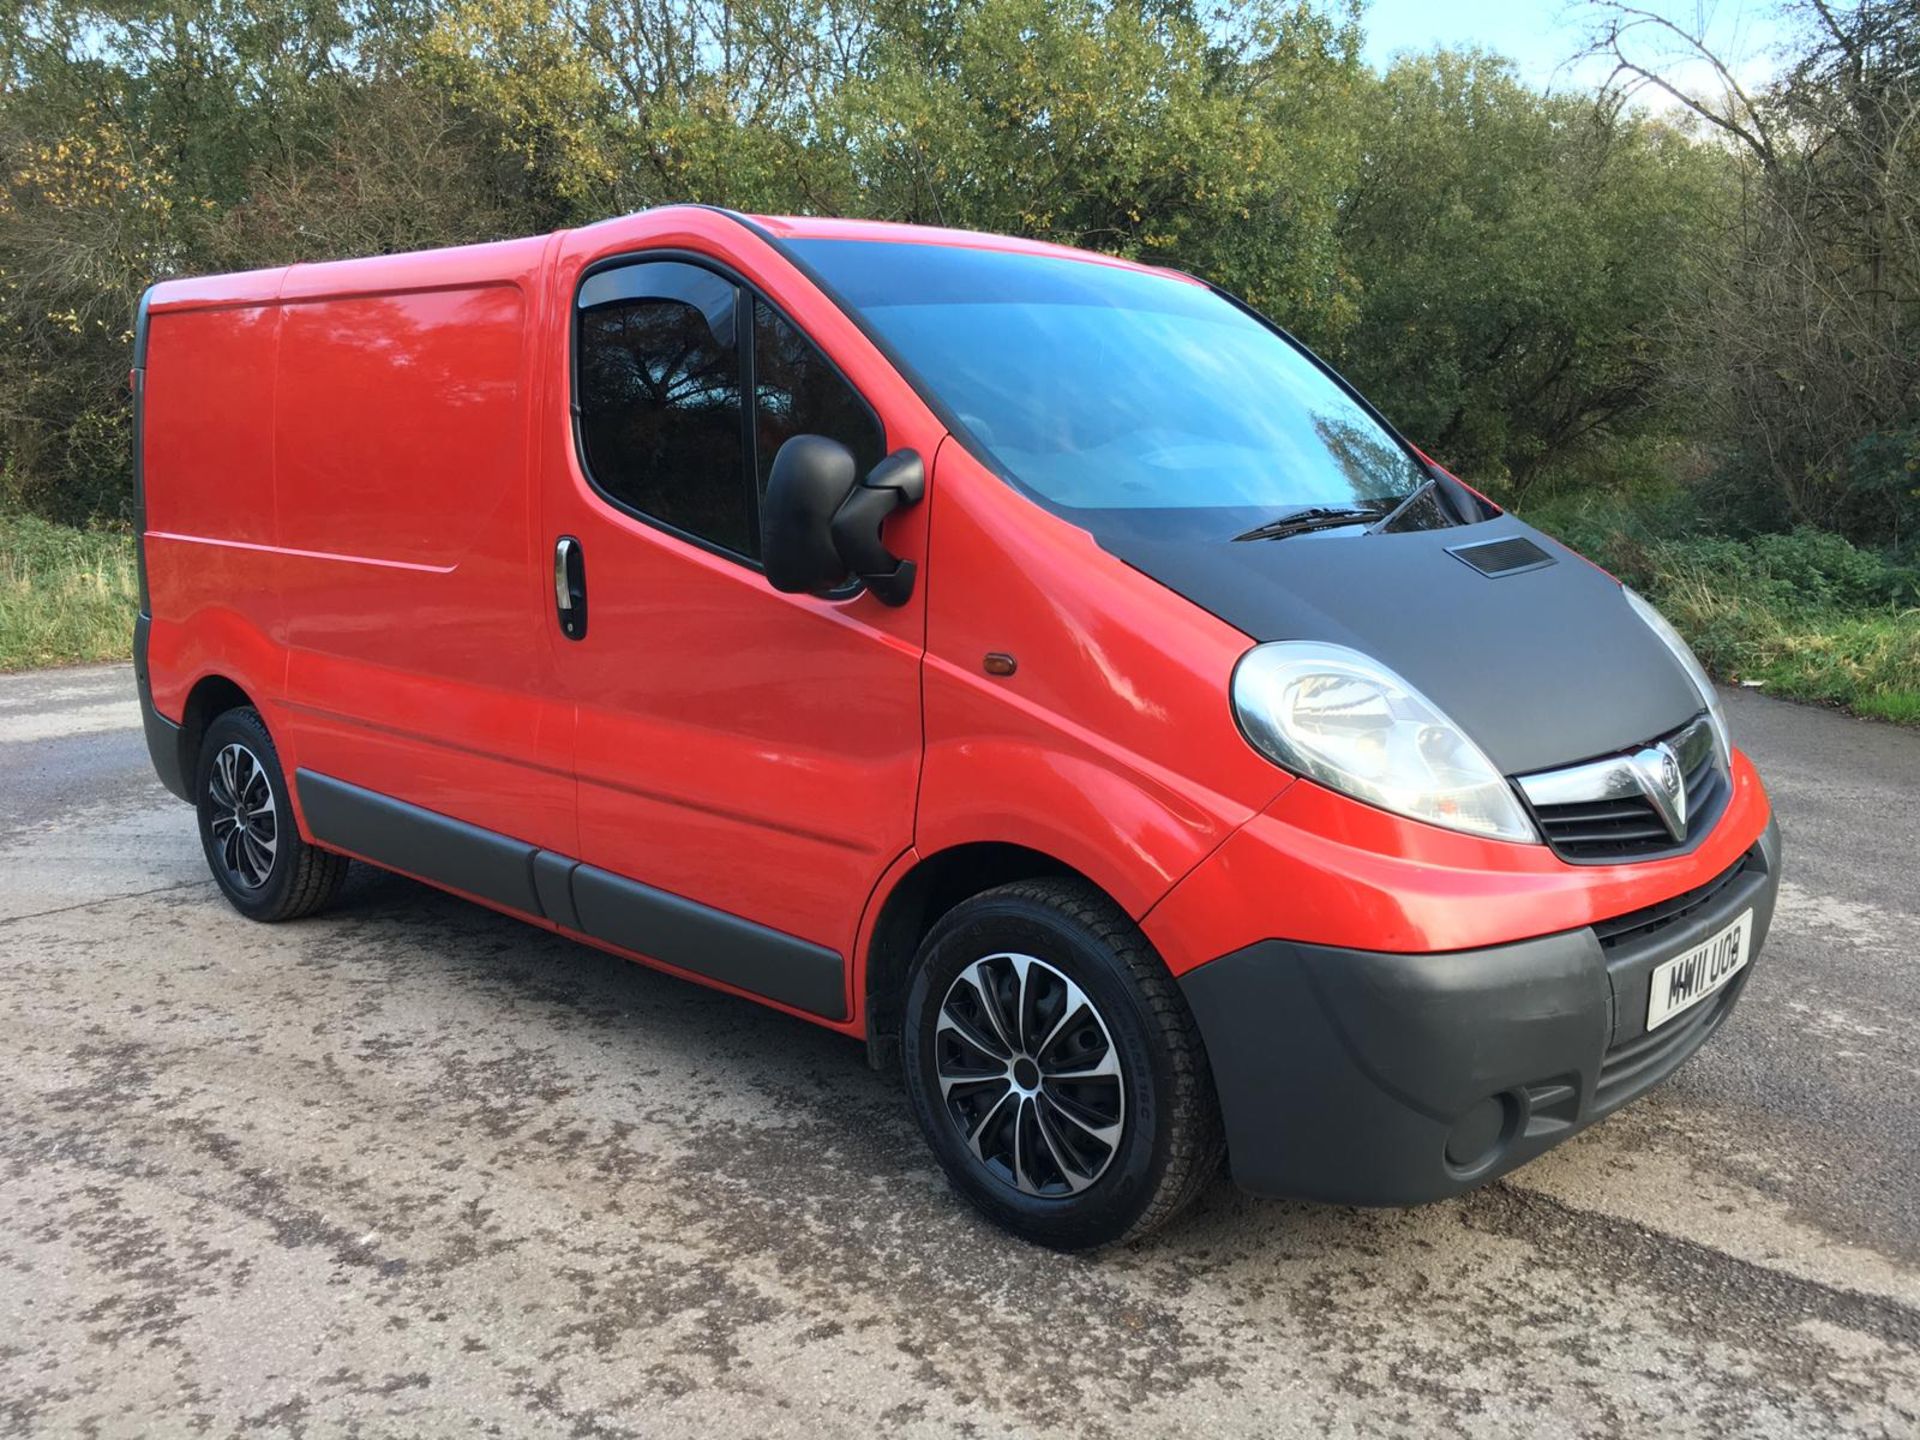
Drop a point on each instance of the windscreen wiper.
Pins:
(1385, 522)
(1314, 517)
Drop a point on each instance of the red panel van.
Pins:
(1036, 665)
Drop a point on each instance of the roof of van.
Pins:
(472, 264)
(810, 227)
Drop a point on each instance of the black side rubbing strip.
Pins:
(553, 884)
(404, 837)
(664, 927)
(710, 942)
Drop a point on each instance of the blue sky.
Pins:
(1541, 35)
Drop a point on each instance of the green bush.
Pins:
(1884, 471)
(1803, 614)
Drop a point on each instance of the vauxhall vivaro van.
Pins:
(1034, 664)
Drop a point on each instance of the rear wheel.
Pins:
(1054, 1068)
(247, 829)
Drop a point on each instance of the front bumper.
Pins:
(1386, 1079)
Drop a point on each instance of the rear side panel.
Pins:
(207, 479)
(401, 437)
(417, 667)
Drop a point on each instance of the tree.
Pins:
(125, 134)
(1810, 333)
(1519, 259)
(1123, 127)
(621, 104)
(1524, 282)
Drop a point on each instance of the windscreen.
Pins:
(1134, 397)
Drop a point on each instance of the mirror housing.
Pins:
(811, 478)
(897, 481)
(817, 523)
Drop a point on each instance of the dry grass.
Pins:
(1804, 615)
(1868, 662)
(66, 596)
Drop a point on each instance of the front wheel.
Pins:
(247, 829)
(1055, 1069)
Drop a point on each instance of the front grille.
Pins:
(1633, 1065)
(1617, 827)
(1637, 927)
(1635, 943)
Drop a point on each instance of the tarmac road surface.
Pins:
(413, 1168)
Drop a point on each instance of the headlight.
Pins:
(1682, 652)
(1352, 724)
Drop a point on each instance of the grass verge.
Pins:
(1804, 615)
(66, 596)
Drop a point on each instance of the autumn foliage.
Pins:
(1581, 289)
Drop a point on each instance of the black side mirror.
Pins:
(811, 478)
(819, 521)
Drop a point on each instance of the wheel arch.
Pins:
(212, 696)
(930, 887)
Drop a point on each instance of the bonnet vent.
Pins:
(1503, 557)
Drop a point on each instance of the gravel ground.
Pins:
(413, 1168)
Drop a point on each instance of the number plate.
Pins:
(1684, 981)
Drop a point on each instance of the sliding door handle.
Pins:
(570, 587)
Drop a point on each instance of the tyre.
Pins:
(1055, 1069)
(247, 828)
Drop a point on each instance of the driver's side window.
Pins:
(797, 391)
(667, 353)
